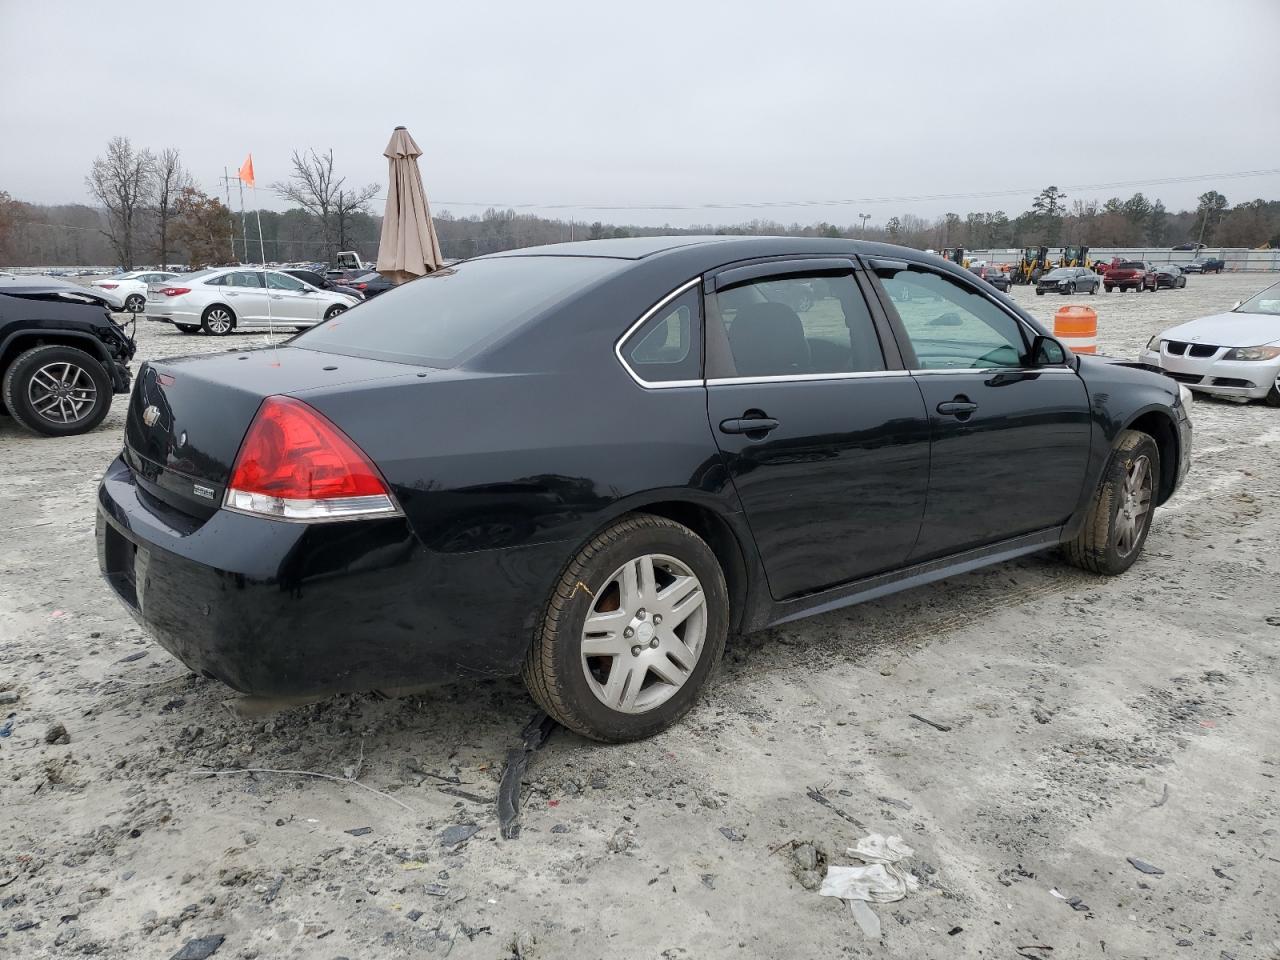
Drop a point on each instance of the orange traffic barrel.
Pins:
(1077, 329)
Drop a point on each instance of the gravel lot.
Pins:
(1090, 721)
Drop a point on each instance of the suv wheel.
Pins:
(57, 391)
(218, 320)
(632, 631)
(1119, 517)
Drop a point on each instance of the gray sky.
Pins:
(658, 102)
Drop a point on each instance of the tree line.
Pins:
(149, 210)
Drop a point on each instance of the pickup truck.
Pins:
(1203, 265)
(1127, 275)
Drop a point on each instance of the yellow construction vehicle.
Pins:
(1074, 257)
(955, 255)
(1035, 261)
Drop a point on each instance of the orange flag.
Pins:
(246, 171)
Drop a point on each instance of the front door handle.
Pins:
(748, 425)
(961, 408)
(276, 296)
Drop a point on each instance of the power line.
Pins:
(909, 198)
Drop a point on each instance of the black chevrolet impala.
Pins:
(590, 463)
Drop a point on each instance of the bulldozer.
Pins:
(1074, 257)
(1035, 261)
(955, 255)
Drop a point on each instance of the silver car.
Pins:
(1235, 354)
(237, 298)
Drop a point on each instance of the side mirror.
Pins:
(1047, 352)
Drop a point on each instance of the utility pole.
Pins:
(865, 217)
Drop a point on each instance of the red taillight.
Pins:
(296, 465)
(361, 286)
(175, 291)
(108, 286)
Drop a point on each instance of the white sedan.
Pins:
(235, 298)
(1234, 354)
(132, 287)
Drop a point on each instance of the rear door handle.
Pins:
(961, 408)
(748, 425)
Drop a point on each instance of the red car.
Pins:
(1128, 275)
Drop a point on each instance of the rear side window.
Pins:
(798, 326)
(447, 316)
(667, 348)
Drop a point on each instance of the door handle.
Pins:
(748, 425)
(231, 294)
(961, 408)
(276, 296)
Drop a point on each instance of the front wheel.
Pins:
(1273, 395)
(1119, 516)
(1093, 290)
(632, 631)
(332, 312)
(57, 391)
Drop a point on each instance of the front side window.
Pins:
(667, 347)
(798, 326)
(282, 281)
(951, 326)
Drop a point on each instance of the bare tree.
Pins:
(315, 188)
(347, 203)
(122, 181)
(169, 178)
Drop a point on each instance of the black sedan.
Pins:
(322, 282)
(370, 284)
(1068, 281)
(1000, 279)
(590, 463)
(1165, 276)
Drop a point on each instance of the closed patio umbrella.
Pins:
(408, 247)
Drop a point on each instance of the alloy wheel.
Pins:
(134, 303)
(62, 392)
(219, 321)
(644, 634)
(1135, 505)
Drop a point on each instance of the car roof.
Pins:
(715, 248)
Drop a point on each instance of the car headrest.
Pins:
(768, 340)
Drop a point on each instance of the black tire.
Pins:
(1039, 292)
(1093, 289)
(1272, 398)
(332, 312)
(218, 320)
(1071, 292)
(187, 328)
(1097, 546)
(1108, 289)
(554, 669)
(17, 389)
(135, 303)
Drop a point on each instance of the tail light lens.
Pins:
(175, 291)
(108, 286)
(295, 465)
(362, 286)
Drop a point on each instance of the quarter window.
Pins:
(798, 326)
(667, 347)
(950, 325)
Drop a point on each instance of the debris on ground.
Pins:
(730, 833)
(1075, 903)
(534, 735)
(937, 726)
(359, 831)
(57, 733)
(8, 696)
(1144, 866)
(878, 879)
(458, 834)
(820, 797)
(622, 840)
(200, 948)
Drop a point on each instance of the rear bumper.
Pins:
(289, 609)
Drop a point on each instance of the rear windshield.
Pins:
(447, 316)
(1131, 265)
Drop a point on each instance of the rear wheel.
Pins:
(333, 311)
(218, 320)
(135, 303)
(632, 632)
(57, 391)
(1093, 289)
(1119, 516)
(1108, 289)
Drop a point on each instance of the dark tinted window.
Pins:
(1132, 265)
(451, 314)
(312, 278)
(799, 325)
(667, 347)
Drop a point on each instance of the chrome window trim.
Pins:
(648, 314)
(806, 377)
(951, 371)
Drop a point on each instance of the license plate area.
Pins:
(121, 557)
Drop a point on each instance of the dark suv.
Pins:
(62, 356)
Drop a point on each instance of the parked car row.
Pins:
(222, 300)
(1138, 275)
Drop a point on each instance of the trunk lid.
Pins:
(187, 416)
